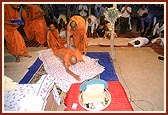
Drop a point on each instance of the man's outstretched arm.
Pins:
(71, 73)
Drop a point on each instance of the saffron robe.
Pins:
(54, 40)
(65, 53)
(80, 39)
(14, 41)
(35, 24)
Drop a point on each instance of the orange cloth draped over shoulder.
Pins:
(35, 26)
(28, 25)
(80, 31)
(65, 53)
(14, 41)
(54, 40)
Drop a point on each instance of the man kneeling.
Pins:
(69, 57)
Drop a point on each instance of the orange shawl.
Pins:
(80, 31)
(14, 41)
(36, 24)
(54, 40)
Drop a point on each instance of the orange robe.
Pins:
(65, 53)
(14, 41)
(28, 25)
(80, 31)
(35, 26)
(54, 40)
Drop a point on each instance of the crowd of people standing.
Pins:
(45, 23)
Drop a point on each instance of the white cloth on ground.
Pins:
(35, 94)
(143, 41)
(9, 84)
(53, 66)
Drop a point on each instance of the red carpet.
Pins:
(129, 34)
(119, 101)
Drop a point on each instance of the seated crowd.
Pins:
(44, 26)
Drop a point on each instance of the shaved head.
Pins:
(73, 60)
(73, 24)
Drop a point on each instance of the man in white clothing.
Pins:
(140, 12)
(139, 41)
(83, 10)
(91, 25)
(159, 40)
(124, 19)
(157, 29)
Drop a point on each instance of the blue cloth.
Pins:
(32, 70)
(105, 60)
(93, 81)
(18, 21)
(147, 21)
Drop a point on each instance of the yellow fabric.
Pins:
(63, 17)
(9, 84)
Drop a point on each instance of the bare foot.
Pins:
(17, 59)
(28, 56)
(42, 45)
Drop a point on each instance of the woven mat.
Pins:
(106, 42)
(34, 43)
(38, 75)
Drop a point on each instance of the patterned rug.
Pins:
(41, 72)
(38, 75)
(104, 59)
(34, 43)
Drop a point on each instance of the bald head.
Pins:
(73, 60)
(73, 25)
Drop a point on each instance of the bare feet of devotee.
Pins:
(42, 45)
(17, 59)
(28, 56)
